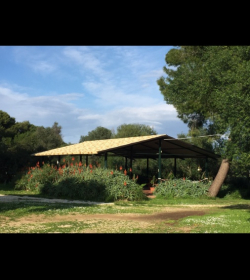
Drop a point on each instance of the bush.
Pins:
(76, 181)
(174, 188)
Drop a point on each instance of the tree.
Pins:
(5, 122)
(97, 134)
(211, 85)
(18, 140)
(48, 138)
(131, 130)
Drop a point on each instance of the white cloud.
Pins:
(37, 59)
(98, 86)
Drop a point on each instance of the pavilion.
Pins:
(149, 147)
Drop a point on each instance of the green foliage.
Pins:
(182, 189)
(131, 130)
(48, 138)
(97, 134)
(18, 140)
(209, 87)
(76, 181)
(5, 123)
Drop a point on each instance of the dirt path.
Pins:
(106, 221)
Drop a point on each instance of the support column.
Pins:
(175, 167)
(87, 161)
(147, 166)
(130, 163)
(81, 158)
(105, 161)
(206, 172)
(126, 163)
(159, 163)
(58, 162)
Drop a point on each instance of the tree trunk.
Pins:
(219, 179)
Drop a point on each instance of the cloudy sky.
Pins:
(83, 87)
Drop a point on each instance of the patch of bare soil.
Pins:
(108, 222)
(112, 222)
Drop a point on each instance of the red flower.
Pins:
(73, 158)
(120, 167)
(112, 172)
(90, 166)
(80, 164)
(125, 172)
(125, 183)
(130, 169)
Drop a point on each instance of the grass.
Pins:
(223, 217)
(227, 214)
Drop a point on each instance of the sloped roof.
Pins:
(135, 147)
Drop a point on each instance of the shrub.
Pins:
(76, 181)
(174, 188)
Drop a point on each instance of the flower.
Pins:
(120, 167)
(125, 183)
(125, 172)
(130, 169)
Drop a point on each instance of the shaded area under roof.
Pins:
(136, 147)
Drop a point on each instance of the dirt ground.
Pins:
(114, 220)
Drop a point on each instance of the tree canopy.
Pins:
(131, 130)
(97, 134)
(210, 88)
(18, 140)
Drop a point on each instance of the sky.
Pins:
(83, 87)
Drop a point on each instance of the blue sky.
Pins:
(83, 87)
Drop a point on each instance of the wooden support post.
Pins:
(147, 166)
(159, 163)
(206, 172)
(126, 163)
(58, 161)
(175, 167)
(105, 161)
(130, 164)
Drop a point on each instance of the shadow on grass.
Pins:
(38, 207)
(237, 206)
